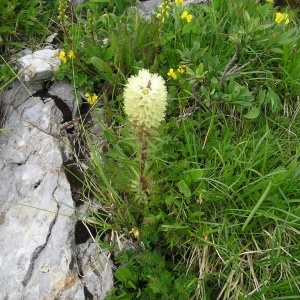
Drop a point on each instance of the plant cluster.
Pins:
(23, 24)
(199, 172)
(211, 195)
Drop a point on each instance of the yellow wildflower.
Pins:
(279, 18)
(62, 57)
(135, 232)
(270, 1)
(187, 16)
(91, 99)
(172, 74)
(184, 15)
(181, 69)
(71, 54)
(179, 1)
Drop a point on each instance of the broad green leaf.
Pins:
(101, 65)
(252, 113)
(184, 189)
(200, 69)
(98, 63)
(261, 96)
(276, 50)
(169, 200)
(188, 27)
(107, 54)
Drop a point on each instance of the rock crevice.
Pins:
(39, 256)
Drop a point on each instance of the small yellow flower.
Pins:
(71, 54)
(181, 69)
(189, 18)
(179, 1)
(135, 232)
(172, 74)
(91, 99)
(184, 15)
(62, 57)
(279, 18)
(270, 1)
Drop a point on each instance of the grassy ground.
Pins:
(209, 200)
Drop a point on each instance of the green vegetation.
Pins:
(210, 204)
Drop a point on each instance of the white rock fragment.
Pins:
(38, 66)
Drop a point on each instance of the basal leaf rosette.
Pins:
(145, 100)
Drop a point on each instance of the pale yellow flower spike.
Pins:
(145, 100)
(164, 10)
(282, 17)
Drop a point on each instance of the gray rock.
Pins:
(38, 65)
(77, 2)
(147, 7)
(65, 92)
(38, 255)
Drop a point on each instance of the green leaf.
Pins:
(126, 277)
(276, 50)
(188, 27)
(286, 38)
(274, 100)
(101, 65)
(98, 63)
(169, 200)
(258, 204)
(107, 54)
(200, 69)
(261, 96)
(175, 226)
(184, 189)
(167, 37)
(252, 113)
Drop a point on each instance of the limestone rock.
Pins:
(38, 65)
(65, 92)
(145, 8)
(38, 255)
